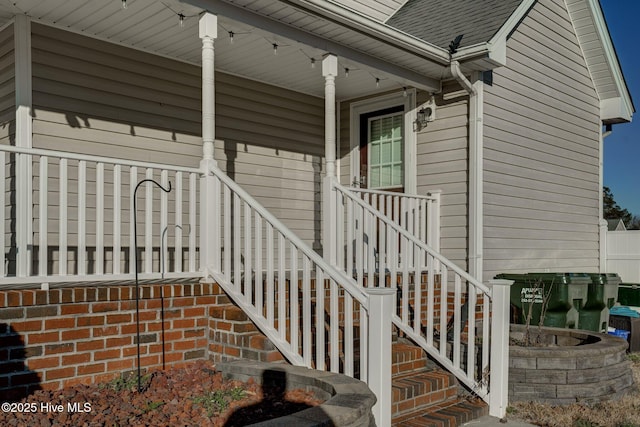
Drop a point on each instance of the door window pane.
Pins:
(386, 151)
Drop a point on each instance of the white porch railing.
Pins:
(419, 215)
(314, 314)
(69, 218)
(379, 252)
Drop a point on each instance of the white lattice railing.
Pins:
(69, 218)
(379, 252)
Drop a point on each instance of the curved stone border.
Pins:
(348, 401)
(595, 370)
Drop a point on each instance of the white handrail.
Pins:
(428, 196)
(96, 159)
(86, 187)
(333, 273)
(293, 295)
(394, 257)
(346, 190)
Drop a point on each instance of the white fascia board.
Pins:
(615, 109)
(612, 62)
(351, 18)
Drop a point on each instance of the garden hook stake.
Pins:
(135, 258)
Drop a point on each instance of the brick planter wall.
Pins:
(51, 339)
(596, 370)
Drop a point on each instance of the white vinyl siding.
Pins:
(442, 159)
(541, 139)
(7, 127)
(7, 86)
(97, 98)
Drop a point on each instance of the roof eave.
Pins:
(356, 20)
(618, 109)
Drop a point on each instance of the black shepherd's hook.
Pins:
(135, 251)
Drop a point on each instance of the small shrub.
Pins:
(217, 401)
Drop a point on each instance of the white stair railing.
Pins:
(78, 223)
(417, 214)
(438, 308)
(312, 312)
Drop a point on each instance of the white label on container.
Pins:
(534, 295)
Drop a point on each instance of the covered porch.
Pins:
(261, 198)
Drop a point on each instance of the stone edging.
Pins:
(348, 400)
(569, 373)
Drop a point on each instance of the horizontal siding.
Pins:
(7, 86)
(98, 98)
(442, 164)
(541, 152)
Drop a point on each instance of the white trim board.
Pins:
(410, 136)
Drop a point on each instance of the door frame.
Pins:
(410, 138)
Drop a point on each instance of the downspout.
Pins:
(602, 222)
(476, 144)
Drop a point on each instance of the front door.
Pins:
(382, 149)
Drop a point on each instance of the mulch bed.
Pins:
(195, 395)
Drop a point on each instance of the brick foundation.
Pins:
(55, 338)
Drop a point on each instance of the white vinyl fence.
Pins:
(623, 254)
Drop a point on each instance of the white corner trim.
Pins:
(410, 137)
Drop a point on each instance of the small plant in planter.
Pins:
(538, 295)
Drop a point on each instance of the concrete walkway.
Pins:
(488, 421)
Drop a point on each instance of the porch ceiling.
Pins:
(153, 26)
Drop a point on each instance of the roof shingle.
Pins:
(440, 21)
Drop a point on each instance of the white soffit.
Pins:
(153, 26)
(615, 102)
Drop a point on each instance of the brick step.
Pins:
(418, 391)
(452, 414)
(406, 358)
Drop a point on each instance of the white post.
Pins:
(23, 138)
(499, 379)
(379, 363)
(603, 245)
(208, 34)
(209, 228)
(329, 71)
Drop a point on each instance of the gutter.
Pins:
(476, 183)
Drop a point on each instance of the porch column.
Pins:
(208, 34)
(209, 185)
(330, 71)
(24, 139)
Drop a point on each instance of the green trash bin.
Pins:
(603, 292)
(565, 302)
(564, 291)
(629, 294)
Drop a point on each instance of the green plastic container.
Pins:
(603, 292)
(565, 292)
(629, 294)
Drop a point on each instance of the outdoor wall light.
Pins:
(426, 114)
(423, 116)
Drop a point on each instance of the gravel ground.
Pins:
(195, 395)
